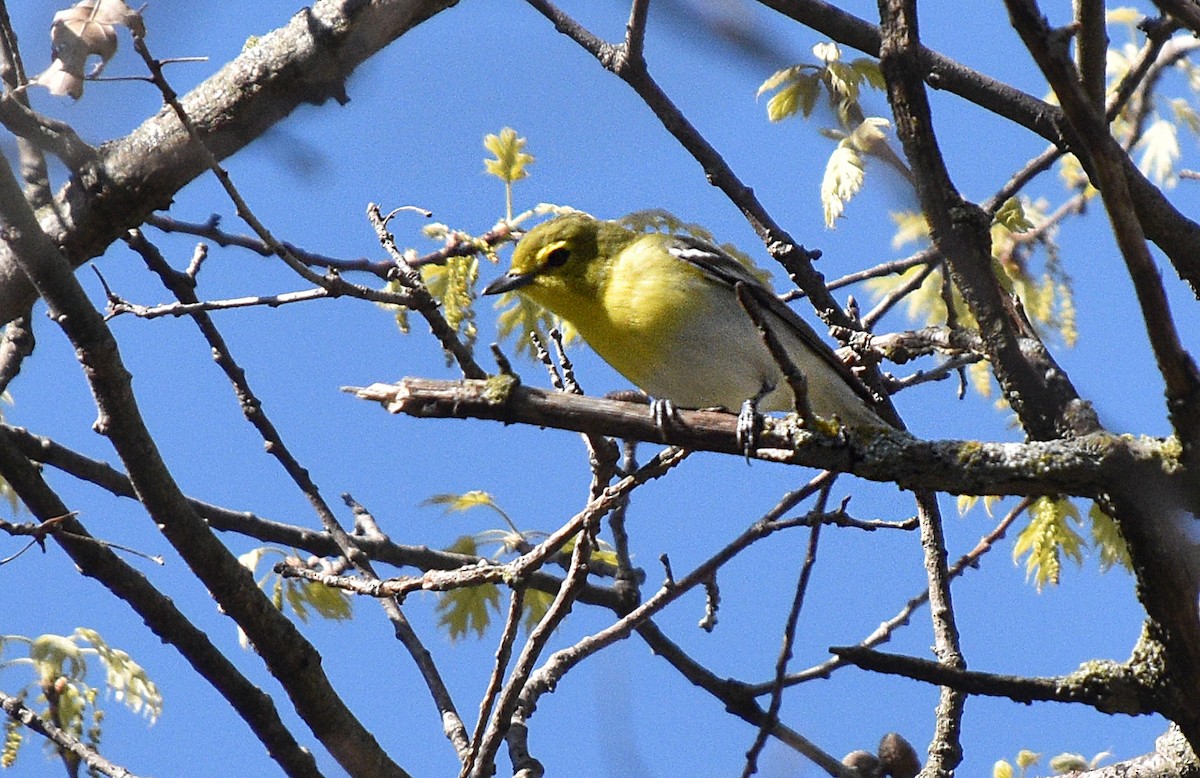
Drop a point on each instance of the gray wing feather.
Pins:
(720, 266)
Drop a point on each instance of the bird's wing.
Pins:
(723, 268)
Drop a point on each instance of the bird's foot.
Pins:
(748, 424)
(664, 414)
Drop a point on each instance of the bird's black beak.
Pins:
(508, 282)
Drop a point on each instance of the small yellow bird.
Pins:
(663, 310)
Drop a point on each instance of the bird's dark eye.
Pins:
(558, 257)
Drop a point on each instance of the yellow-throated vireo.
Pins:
(663, 310)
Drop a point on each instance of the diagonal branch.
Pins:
(1036, 388)
(158, 611)
(1109, 160)
(289, 656)
(305, 62)
(62, 739)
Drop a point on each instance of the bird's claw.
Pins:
(748, 424)
(664, 414)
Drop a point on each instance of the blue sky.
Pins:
(412, 134)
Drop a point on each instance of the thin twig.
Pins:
(883, 633)
(510, 696)
(789, 637)
(118, 306)
(63, 740)
(558, 664)
(508, 636)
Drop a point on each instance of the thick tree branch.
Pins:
(306, 61)
(1172, 231)
(1091, 48)
(1109, 687)
(290, 657)
(1037, 389)
(157, 610)
(1155, 516)
(1048, 48)
(1185, 11)
(959, 244)
(1076, 467)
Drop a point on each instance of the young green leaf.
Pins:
(1068, 763)
(843, 179)
(468, 609)
(511, 159)
(1107, 538)
(510, 163)
(1160, 152)
(536, 604)
(1049, 535)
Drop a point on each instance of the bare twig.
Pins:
(558, 664)
(738, 701)
(883, 632)
(62, 739)
(420, 299)
(789, 637)
(508, 636)
(510, 696)
(118, 306)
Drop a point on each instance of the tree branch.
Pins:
(1172, 231)
(1109, 687)
(62, 739)
(1109, 160)
(380, 549)
(306, 61)
(1184, 11)
(1036, 388)
(1168, 585)
(1076, 467)
(1091, 48)
(883, 632)
(288, 655)
(157, 611)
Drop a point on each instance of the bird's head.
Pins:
(559, 260)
